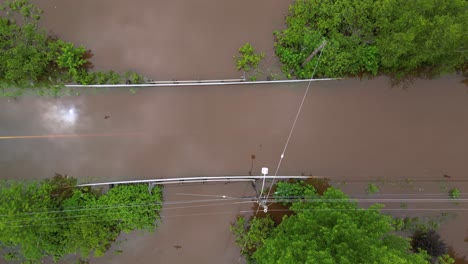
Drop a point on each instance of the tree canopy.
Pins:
(31, 58)
(55, 218)
(396, 37)
(330, 229)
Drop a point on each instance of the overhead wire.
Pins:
(251, 211)
(294, 123)
(81, 208)
(275, 199)
(234, 200)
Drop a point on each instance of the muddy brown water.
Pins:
(176, 39)
(351, 130)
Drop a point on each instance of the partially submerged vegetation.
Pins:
(403, 39)
(372, 188)
(54, 218)
(331, 228)
(248, 61)
(454, 193)
(32, 59)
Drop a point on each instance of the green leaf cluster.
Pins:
(248, 58)
(251, 235)
(286, 193)
(30, 58)
(332, 229)
(134, 78)
(396, 37)
(55, 218)
(454, 193)
(372, 188)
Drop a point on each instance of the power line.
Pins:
(252, 199)
(241, 200)
(117, 213)
(81, 208)
(374, 198)
(372, 209)
(294, 123)
(272, 210)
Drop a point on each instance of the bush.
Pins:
(134, 77)
(113, 77)
(53, 218)
(454, 193)
(395, 37)
(248, 59)
(251, 235)
(30, 58)
(287, 193)
(429, 241)
(372, 189)
(71, 58)
(109, 77)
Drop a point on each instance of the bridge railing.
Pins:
(199, 179)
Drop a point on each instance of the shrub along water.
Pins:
(32, 59)
(396, 37)
(55, 218)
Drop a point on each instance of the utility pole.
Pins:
(260, 201)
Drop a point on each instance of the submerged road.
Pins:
(349, 130)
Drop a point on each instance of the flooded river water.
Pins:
(167, 39)
(350, 131)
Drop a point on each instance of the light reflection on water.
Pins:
(60, 117)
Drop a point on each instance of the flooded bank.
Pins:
(194, 229)
(167, 40)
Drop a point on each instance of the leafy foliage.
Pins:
(251, 235)
(429, 241)
(454, 193)
(55, 218)
(372, 188)
(134, 77)
(287, 192)
(248, 58)
(396, 37)
(335, 232)
(71, 58)
(30, 58)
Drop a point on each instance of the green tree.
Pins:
(22, 208)
(24, 47)
(429, 241)
(250, 235)
(142, 215)
(55, 218)
(23, 53)
(333, 229)
(286, 193)
(30, 58)
(396, 37)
